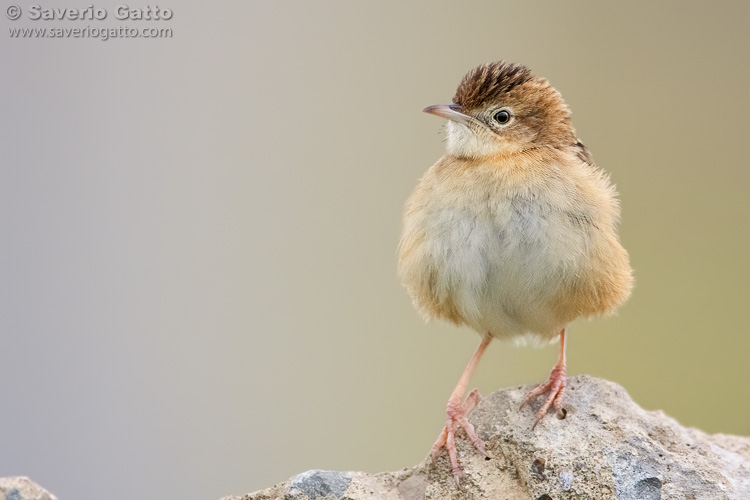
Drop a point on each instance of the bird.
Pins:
(513, 232)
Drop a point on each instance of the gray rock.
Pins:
(318, 483)
(607, 448)
(22, 488)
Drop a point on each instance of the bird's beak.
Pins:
(452, 112)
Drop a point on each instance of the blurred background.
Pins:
(198, 293)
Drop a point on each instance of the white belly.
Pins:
(505, 268)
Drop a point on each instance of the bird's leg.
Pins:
(555, 385)
(457, 413)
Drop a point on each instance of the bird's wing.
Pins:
(583, 153)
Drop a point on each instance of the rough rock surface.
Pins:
(607, 448)
(22, 488)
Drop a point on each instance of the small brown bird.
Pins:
(512, 232)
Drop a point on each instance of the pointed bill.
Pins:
(452, 112)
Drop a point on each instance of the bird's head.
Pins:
(502, 108)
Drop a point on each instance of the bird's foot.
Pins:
(555, 386)
(457, 415)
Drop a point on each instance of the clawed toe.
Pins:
(457, 416)
(555, 386)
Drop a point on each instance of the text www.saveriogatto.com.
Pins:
(39, 14)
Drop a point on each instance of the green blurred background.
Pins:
(198, 289)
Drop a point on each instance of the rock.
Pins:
(22, 488)
(606, 448)
(318, 483)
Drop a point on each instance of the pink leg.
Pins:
(458, 412)
(555, 385)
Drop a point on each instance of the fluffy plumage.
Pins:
(513, 231)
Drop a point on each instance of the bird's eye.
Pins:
(502, 116)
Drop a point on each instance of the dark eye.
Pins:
(502, 116)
